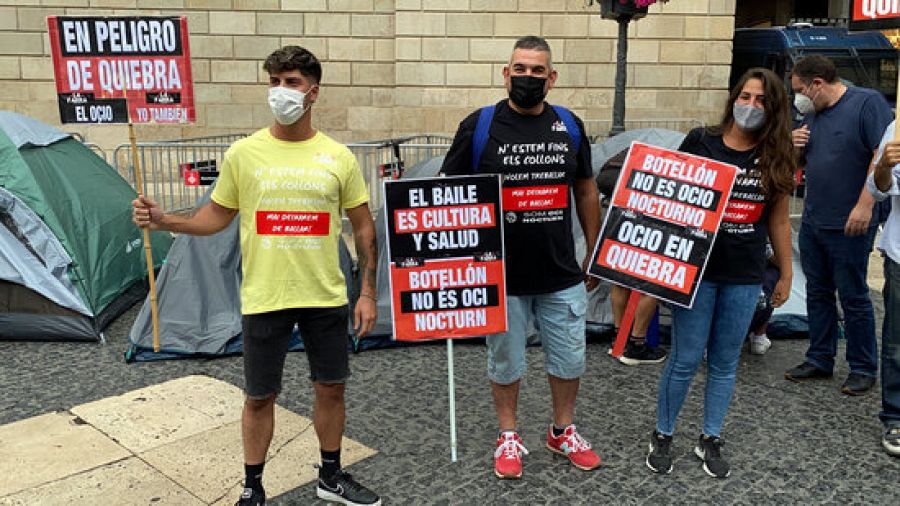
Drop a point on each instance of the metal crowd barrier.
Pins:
(163, 164)
(598, 129)
(97, 150)
(227, 139)
(383, 158)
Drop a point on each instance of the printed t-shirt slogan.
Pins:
(116, 69)
(445, 252)
(662, 222)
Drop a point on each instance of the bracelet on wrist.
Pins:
(368, 296)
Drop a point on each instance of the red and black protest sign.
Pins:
(662, 222)
(445, 252)
(874, 14)
(121, 69)
(199, 173)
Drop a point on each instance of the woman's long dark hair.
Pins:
(775, 148)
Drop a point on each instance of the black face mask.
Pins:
(527, 91)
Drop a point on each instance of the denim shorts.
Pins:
(268, 335)
(560, 320)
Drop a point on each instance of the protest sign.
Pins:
(445, 252)
(199, 173)
(122, 69)
(662, 222)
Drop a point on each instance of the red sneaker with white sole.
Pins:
(508, 456)
(574, 447)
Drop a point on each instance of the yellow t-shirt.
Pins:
(290, 196)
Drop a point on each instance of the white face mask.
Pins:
(804, 104)
(747, 117)
(286, 104)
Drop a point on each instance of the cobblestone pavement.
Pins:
(787, 443)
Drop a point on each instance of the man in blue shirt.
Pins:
(842, 130)
(884, 182)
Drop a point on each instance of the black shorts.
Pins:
(268, 335)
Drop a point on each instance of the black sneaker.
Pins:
(806, 371)
(344, 489)
(709, 451)
(637, 354)
(857, 384)
(659, 460)
(250, 497)
(891, 441)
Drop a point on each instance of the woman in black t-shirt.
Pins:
(755, 135)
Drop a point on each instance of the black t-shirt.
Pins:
(739, 253)
(536, 157)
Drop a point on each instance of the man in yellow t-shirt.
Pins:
(289, 184)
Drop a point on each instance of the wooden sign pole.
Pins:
(151, 277)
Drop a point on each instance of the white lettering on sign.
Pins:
(451, 320)
(642, 264)
(445, 278)
(679, 170)
(454, 195)
(119, 75)
(452, 239)
(76, 36)
(667, 209)
(641, 236)
(79, 75)
(444, 217)
(136, 36)
(880, 8)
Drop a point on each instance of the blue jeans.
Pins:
(833, 261)
(890, 346)
(559, 318)
(717, 323)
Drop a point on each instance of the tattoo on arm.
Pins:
(367, 259)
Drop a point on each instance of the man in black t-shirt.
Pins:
(529, 143)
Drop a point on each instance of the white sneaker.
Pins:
(759, 345)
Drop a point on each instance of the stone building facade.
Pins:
(394, 67)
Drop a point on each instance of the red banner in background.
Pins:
(874, 10)
(121, 69)
(874, 14)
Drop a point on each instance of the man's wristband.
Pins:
(369, 296)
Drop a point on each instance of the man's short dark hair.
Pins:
(815, 66)
(532, 42)
(294, 58)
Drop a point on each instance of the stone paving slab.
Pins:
(210, 465)
(47, 447)
(129, 481)
(178, 442)
(160, 414)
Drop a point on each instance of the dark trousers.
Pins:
(833, 262)
(890, 346)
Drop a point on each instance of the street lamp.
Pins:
(622, 11)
